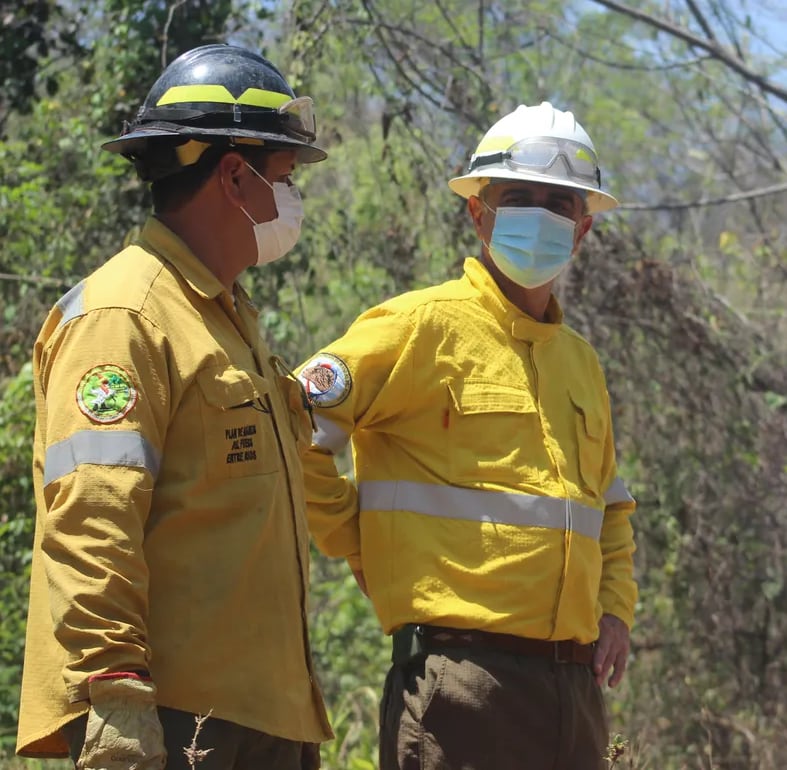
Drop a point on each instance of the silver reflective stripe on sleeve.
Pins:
(123, 448)
(617, 493)
(481, 505)
(328, 435)
(71, 304)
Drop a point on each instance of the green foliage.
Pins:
(59, 213)
(30, 31)
(352, 656)
(138, 39)
(16, 531)
(703, 446)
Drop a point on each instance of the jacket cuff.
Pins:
(142, 675)
(613, 604)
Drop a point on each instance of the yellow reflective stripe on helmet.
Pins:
(254, 97)
(494, 144)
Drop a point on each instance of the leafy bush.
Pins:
(16, 535)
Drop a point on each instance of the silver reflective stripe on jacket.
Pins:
(123, 448)
(328, 435)
(617, 493)
(71, 304)
(481, 505)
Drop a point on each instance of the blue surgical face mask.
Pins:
(531, 246)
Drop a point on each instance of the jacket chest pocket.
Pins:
(591, 427)
(494, 433)
(237, 423)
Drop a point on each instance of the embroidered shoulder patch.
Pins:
(326, 379)
(106, 393)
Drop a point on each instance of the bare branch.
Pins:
(728, 23)
(712, 47)
(701, 20)
(36, 279)
(618, 65)
(377, 24)
(398, 63)
(193, 754)
(165, 33)
(666, 206)
(450, 22)
(481, 16)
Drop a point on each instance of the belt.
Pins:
(412, 640)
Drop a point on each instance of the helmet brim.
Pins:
(139, 140)
(470, 184)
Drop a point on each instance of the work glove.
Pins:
(123, 728)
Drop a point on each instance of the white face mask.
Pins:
(277, 236)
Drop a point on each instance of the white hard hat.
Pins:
(537, 144)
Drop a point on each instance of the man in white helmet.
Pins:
(486, 521)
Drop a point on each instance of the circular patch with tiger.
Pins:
(326, 380)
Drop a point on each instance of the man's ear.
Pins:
(582, 229)
(476, 210)
(232, 171)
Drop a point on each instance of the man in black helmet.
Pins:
(170, 563)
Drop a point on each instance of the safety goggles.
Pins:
(297, 116)
(540, 154)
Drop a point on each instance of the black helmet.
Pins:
(216, 94)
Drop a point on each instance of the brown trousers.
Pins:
(232, 747)
(490, 710)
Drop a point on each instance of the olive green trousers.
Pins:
(481, 709)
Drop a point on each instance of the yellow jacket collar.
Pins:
(523, 327)
(157, 237)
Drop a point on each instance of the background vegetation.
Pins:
(681, 290)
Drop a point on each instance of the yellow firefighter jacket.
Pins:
(485, 492)
(171, 531)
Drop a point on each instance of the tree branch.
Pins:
(399, 61)
(757, 193)
(701, 20)
(35, 279)
(165, 34)
(710, 46)
(618, 65)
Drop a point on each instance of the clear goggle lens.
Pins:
(298, 117)
(548, 155)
